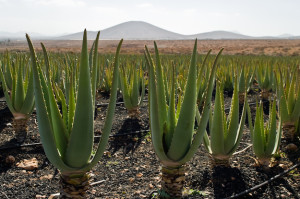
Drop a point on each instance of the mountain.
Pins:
(219, 35)
(129, 30)
(139, 30)
(21, 35)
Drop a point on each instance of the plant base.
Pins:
(172, 182)
(265, 95)
(134, 113)
(74, 187)
(20, 128)
(264, 163)
(241, 98)
(219, 162)
(288, 130)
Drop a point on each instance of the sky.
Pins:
(57, 17)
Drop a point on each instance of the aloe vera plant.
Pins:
(245, 79)
(225, 131)
(17, 82)
(265, 139)
(131, 81)
(68, 137)
(289, 104)
(173, 136)
(203, 76)
(265, 79)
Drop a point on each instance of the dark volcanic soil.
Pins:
(130, 169)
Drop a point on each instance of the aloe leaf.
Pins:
(258, 139)
(71, 104)
(19, 92)
(28, 103)
(58, 126)
(199, 80)
(283, 107)
(94, 69)
(47, 63)
(185, 125)
(143, 88)
(161, 95)
(233, 119)
(240, 128)
(242, 81)
(217, 130)
(6, 94)
(110, 112)
(61, 97)
(82, 133)
(45, 129)
(155, 123)
(125, 90)
(206, 140)
(135, 89)
(291, 96)
(201, 84)
(8, 72)
(205, 113)
(296, 112)
(273, 133)
(171, 111)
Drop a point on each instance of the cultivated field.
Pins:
(246, 47)
(139, 123)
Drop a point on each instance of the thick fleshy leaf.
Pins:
(82, 134)
(95, 68)
(185, 125)
(258, 134)
(125, 90)
(217, 130)
(19, 91)
(135, 89)
(274, 134)
(6, 94)
(155, 124)
(239, 130)
(47, 63)
(45, 129)
(233, 120)
(28, 103)
(171, 112)
(109, 114)
(205, 114)
(160, 88)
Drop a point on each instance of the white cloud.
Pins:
(217, 14)
(145, 5)
(3, 1)
(189, 12)
(73, 3)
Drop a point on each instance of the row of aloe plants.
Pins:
(172, 124)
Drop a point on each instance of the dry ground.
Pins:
(255, 47)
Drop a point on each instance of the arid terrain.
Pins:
(254, 47)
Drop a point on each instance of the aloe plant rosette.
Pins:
(225, 131)
(289, 104)
(68, 138)
(17, 85)
(265, 139)
(173, 135)
(131, 80)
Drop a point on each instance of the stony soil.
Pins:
(130, 169)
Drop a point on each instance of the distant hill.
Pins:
(21, 35)
(219, 35)
(139, 30)
(130, 30)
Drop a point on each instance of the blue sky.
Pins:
(250, 17)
